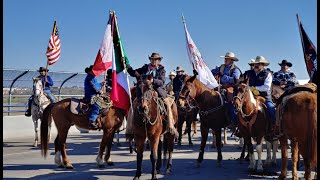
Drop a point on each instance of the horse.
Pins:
(186, 114)
(297, 118)
(39, 102)
(253, 121)
(111, 120)
(212, 110)
(149, 122)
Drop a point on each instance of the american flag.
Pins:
(53, 50)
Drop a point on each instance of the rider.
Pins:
(178, 81)
(158, 72)
(229, 75)
(285, 78)
(92, 88)
(260, 84)
(169, 86)
(47, 81)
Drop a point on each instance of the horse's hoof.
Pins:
(158, 171)
(281, 177)
(101, 165)
(136, 178)
(69, 167)
(110, 163)
(168, 171)
(198, 164)
(190, 143)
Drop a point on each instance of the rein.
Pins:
(205, 113)
(147, 96)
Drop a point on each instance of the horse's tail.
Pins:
(46, 118)
(312, 134)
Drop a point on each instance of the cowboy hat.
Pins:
(230, 55)
(88, 69)
(43, 69)
(155, 56)
(251, 62)
(172, 73)
(260, 59)
(285, 63)
(179, 69)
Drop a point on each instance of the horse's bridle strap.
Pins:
(253, 119)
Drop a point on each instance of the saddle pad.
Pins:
(77, 106)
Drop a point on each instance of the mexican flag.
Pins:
(120, 92)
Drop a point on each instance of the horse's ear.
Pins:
(33, 78)
(245, 81)
(192, 78)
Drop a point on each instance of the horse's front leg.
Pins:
(188, 124)
(140, 142)
(219, 145)
(35, 123)
(204, 137)
(179, 128)
(259, 152)
(275, 145)
(169, 144)
(154, 142)
(225, 137)
(102, 147)
(252, 158)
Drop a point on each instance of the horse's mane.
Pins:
(193, 79)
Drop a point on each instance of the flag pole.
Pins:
(304, 53)
(185, 28)
(123, 61)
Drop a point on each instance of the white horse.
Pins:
(39, 103)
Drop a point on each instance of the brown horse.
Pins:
(253, 122)
(212, 110)
(149, 122)
(297, 116)
(64, 119)
(186, 114)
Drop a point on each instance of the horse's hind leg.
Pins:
(295, 156)
(159, 161)
(62, 141)
(57, 157)
(225, 137)
(284, 156)
(204, 137)
(107, 157)
(180, 124)
(169, 144)
(307, 169)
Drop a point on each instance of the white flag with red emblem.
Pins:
(204, 74)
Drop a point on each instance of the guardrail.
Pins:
(9, 106)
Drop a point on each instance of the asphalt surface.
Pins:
(21, 160)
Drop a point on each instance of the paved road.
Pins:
(21, 160)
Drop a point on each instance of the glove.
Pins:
(195, 72)
(255, 91)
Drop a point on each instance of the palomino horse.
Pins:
(297, 117)
(212, 110)
(64, 119)
(186, 114)
(149, 122)
(39, 103)
(254, 122)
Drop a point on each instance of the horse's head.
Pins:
(37, 86)
(145, 88)
(188, 91)
(242, 92)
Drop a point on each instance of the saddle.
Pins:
(310, 87)
(79, 106)
(227, 93)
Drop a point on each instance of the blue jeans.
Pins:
(232, 113)
(50, 95)
(271, 110)
(94, 112)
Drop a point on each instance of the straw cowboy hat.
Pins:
(179, 69)
(172, 73)
(251, 62)
(285, 63)
(230, 55)
(260, 59)
(43, 69)
(155, 56)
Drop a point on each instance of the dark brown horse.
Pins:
(186, 114)
(150, 122)
(253, 122)
(64, 119)
(297, 116)
(212, 110)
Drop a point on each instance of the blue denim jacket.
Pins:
(47, 84)
(91, 86)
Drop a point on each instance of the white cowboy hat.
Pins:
(172, 73)
(179, 68)
(260, 59)
(251, 62)
(230, 55)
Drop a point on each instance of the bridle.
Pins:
(241, 103)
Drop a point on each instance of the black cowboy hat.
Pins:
(155, 56)
(43, 69)
(88, 69)
(285, 62)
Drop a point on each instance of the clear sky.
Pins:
(248, 28)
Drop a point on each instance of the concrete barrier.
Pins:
(17, 127)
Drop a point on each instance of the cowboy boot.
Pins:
(170, 127)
